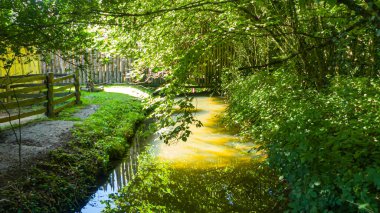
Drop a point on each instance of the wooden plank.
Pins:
(19, 79)
(62, 94)
(8, 90)
(24, 115)
(54, 63)
(101, 71)
(63, 88)
(122, 71)
(20, 76)
(63, 84)
(92, 66)
(86, 73)
(117, 69)
(60, 75)
(36, 95)
(61, 100)
(50, 95)
(24, 90)
(59, 109)
(59, 64)
(27, 85)
(60, 79)
(98, 65)
(23, 103)
(82, 73)
(77, 89)
(109, 71)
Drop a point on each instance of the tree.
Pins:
(312, 41)
(44, 26)
(291, 48)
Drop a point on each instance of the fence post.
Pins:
(50, 95)
(77, 90)
(7, 89)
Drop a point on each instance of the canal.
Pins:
(213, 171)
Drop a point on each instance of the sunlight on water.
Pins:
(209, 153)
(207, 146)
(212, 172)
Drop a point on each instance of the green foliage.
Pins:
(313, 123)
(190, 39)
(158, 187)
(173, 115)
(43, 27)
(67, 176)
(324, 143)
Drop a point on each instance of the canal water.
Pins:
(212, 172)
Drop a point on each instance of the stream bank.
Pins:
(66, 176)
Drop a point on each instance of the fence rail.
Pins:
(37, 94)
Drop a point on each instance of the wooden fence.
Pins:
(100, 68)
(96, 67)
(24, 96)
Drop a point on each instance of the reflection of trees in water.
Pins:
(126, 170)
(240, 187)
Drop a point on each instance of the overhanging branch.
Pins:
(328, 42)
(192, 5)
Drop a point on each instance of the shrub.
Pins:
(324, 143)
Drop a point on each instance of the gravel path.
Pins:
(37, 139)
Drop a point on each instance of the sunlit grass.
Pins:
(137, 92)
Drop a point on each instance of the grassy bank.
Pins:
(64, 179)
(324, 143)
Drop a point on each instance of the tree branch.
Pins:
(161, 11)
(326, 43)
(361, 10)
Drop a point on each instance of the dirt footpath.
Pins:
(37, 139)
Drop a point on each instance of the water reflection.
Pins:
(208, 146)
(159, 187)
(117, 179)
(213, 171)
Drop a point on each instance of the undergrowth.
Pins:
(324, 143)
(64, 179)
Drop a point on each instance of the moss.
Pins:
(66, 177)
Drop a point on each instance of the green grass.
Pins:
(61, 181)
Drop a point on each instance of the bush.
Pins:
(324, 143)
